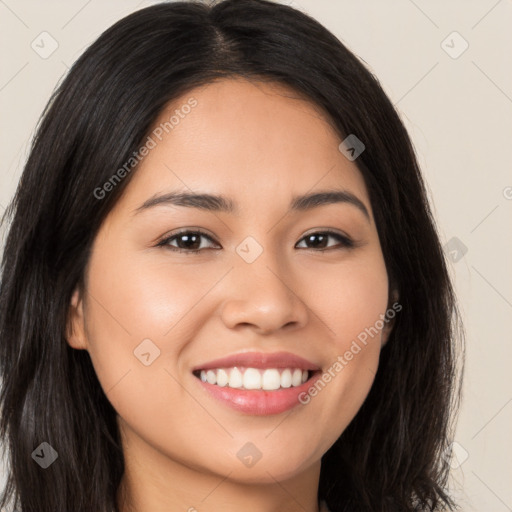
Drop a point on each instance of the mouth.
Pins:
(257, 383)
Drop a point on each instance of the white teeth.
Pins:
(211, 377)
(253, 378)
(235, 378)
(297, 377)
(222, 377)
(286, 378)
(271, 380)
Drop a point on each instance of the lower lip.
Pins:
(259, 402)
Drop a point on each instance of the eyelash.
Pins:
(345, 241)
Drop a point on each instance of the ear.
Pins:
(75, 328)
(390, 316)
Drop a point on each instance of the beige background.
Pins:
(458, 110)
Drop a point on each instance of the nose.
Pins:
(264, 296)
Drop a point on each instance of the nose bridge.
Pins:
(259, 264)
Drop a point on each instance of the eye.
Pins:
(319, 238)
(189, 242)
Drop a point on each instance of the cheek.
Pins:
(351, 304)
(134, 304)
(130, 301)
(351, 298)
(137, 298)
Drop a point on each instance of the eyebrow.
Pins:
(219, 203)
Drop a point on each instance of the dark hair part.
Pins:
(392, 455)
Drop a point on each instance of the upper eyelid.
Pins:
(185, 231)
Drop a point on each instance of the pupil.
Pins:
(189, 238)
(312, 237)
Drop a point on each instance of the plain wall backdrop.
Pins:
(446, 67)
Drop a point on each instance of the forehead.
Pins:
(260, 143)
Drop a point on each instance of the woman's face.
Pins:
(260, 286)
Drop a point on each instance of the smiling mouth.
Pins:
(247, 378)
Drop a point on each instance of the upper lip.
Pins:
(260, 360)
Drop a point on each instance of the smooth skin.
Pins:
(259, 144)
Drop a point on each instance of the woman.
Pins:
(222, 285)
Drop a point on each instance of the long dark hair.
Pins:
(393, 455)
